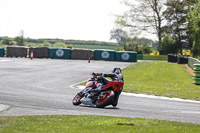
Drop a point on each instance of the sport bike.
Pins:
(101, 98)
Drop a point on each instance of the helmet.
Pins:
(116, 71)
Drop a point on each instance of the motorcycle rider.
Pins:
(115, 76)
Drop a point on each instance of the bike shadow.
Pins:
(87, 106)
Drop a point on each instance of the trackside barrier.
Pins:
(140, 56)
(82, 54)
(182, 59)
(172, 58)
(126, 56)
(66, 53)
(179, 59)
(17, 51)
(2, 52)
(196, 75)
(108, 55)
(39, 52)
(192, 61)
(56, 53)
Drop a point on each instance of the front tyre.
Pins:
(106, 100)
(77, 99)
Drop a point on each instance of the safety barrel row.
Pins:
(66, 53)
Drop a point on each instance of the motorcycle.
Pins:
(100, 99)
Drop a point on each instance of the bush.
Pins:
(59, 45)
(46, 44)
(70, 46)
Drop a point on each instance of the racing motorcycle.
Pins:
(100, 99)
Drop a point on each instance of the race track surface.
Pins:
(44, 87)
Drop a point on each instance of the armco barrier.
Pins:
(18, 51)
(56, 53)
(126, 56)
(2, 52)
(39, 52)
(82, 54)
(192, 61)
(108, 55)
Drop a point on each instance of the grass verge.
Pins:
(155, 57)
(91, 124)
(160, 78)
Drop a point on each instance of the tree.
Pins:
(20, 39)
(169, 45)
(146, 49)
(7, 41)
(120, 36)
(176, 21)
(193, 26)
(144, 16)
(140, 45)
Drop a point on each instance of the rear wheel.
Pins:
(77, 99)
(107, 99)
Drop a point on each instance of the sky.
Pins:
(64, 19)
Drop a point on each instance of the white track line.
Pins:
(3, 107)
(4, 60)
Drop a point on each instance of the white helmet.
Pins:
(116, 71)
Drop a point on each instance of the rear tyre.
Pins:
(77, 99)
(106, 100)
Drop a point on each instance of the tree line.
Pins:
(176, 23)
(21, 41)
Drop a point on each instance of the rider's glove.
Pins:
(100, 74)
(95, 74)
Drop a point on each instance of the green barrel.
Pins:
(126, 56)
(108, 55)
(196, 81)
(196, 75)
(56, 53)
(197, 68)
(2, 52)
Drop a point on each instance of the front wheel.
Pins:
(106, 100)
(77, 99)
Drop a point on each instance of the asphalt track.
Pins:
(45, 87)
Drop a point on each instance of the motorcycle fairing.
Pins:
(114, 84)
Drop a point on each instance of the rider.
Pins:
(115, 76)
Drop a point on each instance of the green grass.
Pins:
(91, 124)
(155, 57)
(160, 78)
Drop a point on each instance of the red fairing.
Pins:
(114, 84)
